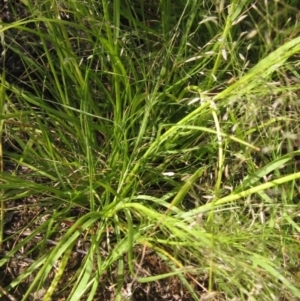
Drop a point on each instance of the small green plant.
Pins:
(150, 150)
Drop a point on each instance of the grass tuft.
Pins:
(149, 150)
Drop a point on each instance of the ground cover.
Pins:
(150, 150)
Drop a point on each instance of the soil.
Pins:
(24, 216)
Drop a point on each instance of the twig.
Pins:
(7, 294)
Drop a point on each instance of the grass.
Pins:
(150, 150)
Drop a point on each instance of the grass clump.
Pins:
(150, 151)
